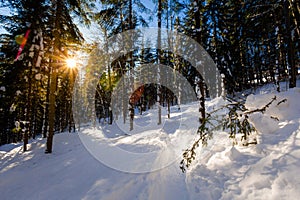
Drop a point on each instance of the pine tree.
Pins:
(61, 36)
(25, 64)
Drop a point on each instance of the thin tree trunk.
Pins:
(159, 12)
(290, 46)
(51, 111)
(28, 113)
(46, 114)
(131, 70)
(201, 83)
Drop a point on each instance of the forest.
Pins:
(44, 49)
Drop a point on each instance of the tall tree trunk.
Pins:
(28, 111)
(46, 112)
(290, 45)
(159, 13)
(201, 82)
(53, 83)
(131, 70)
(110, 114)
(51, 110)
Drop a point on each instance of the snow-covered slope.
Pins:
(268, 170)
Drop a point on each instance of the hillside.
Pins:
(268, 170)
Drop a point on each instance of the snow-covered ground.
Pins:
(268, 170)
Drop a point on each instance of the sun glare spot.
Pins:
(71, 62)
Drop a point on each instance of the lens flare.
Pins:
(22, 41)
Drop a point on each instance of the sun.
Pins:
(71, 63)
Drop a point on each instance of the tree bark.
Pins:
(290, 46)
(158, 60)
(53, 78)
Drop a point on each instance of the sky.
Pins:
(93, 33)
(3, 11)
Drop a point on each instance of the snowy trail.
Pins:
(72, 173)
(166, 183)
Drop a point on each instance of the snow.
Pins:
(2, 88)
(268, 170)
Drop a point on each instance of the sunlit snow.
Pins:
(268, 170)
